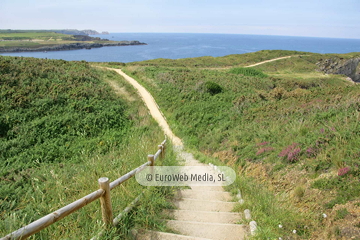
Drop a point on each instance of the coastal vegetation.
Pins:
(45, 40)
(290, 132)
(61, 128)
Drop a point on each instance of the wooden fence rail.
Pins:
(105, 200)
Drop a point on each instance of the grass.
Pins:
(36, 39)
(251, 72)
(341, 213)
(62, 128)
(284, 125)
(226, 61)
(33, 35)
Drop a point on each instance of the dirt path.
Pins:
(252, 65)
(203, 212)
(271, 60)
(153, 108)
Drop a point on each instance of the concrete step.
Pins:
(205, 195)
(214, 231)
(203, 216)
(154, 235)
(204, 205)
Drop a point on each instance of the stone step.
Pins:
(205, 195)
(204, 205)
(213, 231)
(154, 235)
(203, 216)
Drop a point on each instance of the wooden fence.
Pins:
(105, 201)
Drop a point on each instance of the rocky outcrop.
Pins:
(336, 65)
(90, 32)
(75, 31)
(71, 46)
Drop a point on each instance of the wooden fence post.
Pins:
(160, 147)
(163, 149)
(151, 159)
(105, 201)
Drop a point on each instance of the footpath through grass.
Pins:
(61, 128)
(290, 132)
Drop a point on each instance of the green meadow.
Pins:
(291, 132)
(62, 128)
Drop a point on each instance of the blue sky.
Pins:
(314, 18)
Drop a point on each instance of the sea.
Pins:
(189, 45)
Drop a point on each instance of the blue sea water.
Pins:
(186, 45)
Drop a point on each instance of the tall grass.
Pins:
(251, 72)
(103, 136)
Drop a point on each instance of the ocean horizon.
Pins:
(189, 45)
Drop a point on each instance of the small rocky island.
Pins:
(55, 40)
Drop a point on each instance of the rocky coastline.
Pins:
(336, 65)
(70, 46)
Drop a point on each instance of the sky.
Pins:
(311, 18)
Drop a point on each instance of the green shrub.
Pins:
(251, 72)
(213, 88)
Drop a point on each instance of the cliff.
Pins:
(71, 46)
(337, 65)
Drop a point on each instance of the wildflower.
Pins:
(343, 171)
(311, 152)
(292, 152)
(280, 226)
(294, 231)
(262, 144)
(324, 215)
(262, 150)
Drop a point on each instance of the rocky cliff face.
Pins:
(335, 65)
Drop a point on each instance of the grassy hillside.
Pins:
(213, 62)
(291, 133)
(61, 128)
(46, 38)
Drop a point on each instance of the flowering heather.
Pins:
(265, 149)
(311, 152)
(291, 152)
(343, 171)
(262, 144)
